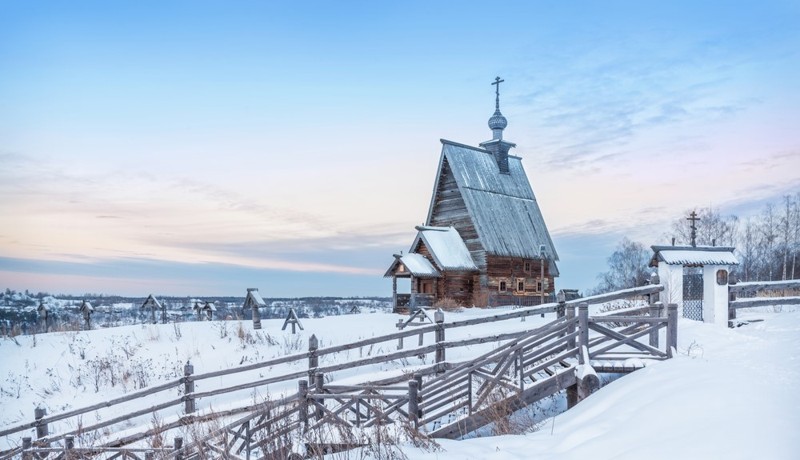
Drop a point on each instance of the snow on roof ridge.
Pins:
(423, 228)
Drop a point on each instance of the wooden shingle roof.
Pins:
(503, 207)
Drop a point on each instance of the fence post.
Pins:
(319, 384)
(399, 327)
(413, 402)
(178, 448)
(256, 317)
(69, 444)
(583, 325)
(588, 383)
(313, 359)
(654, 279)
(438, 317)
(562, 304)
(188, 388)
(672, 329)
(571, 327)
(42, 430)
(26, 445)
(302, 393)
(248, 438)
(731, 299)
(655, 312)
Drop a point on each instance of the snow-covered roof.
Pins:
(151, 303)
(416, 264)
(502, 206)
(254, 299)
(447, 248)
(699, 255)
(86, 306)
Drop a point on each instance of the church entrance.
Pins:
(693, 293)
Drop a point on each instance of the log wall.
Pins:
(449, 209)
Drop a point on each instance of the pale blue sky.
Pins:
(197, 148)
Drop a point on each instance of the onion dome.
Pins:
(497, 121)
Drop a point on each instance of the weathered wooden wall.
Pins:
(512, 269)
(449, 209)
(457, 286)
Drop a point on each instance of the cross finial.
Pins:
(693, 218)
(497, 82)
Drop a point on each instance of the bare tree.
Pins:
(790, 232)
(747, 252)
(713, 228)
(785, 229)
(769, 236)
(627, 267)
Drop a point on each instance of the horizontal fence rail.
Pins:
(752, 287)
(764, 285)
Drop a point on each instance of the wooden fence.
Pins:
(445, 399)
(761, 294)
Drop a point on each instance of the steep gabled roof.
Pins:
(253, 299)
(503, 207)
(151, 303)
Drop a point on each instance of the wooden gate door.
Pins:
(693, 293)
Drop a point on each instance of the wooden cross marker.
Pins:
(693, 218)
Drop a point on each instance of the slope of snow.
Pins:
(732, 394)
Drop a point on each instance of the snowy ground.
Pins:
(61, 371)
(730, 393)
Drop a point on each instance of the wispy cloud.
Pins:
(182, 219)
(615, 94)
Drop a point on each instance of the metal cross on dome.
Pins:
(497, 82)
(693, 218)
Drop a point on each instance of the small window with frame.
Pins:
(538, 286)
(527, 266)
(520, 285)
(503, 287)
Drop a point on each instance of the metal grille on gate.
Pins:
(693, 293)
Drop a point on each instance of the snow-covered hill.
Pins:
(731, 393)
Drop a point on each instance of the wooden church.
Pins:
(484, 242)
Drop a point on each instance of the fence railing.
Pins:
(310, 361)
(777, 294)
